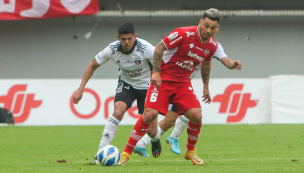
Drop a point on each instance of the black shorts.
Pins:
(172, 108)
(126, 93)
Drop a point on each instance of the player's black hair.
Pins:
(212, 14)
(126, 28)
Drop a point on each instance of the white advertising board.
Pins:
(49, 101)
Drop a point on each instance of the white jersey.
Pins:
(134, 68)
(219, 54)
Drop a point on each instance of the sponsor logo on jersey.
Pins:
(199, 49)
(176, 40)
(189, 33)
(195, 56)
(191, 45)
(212, 41)
(206, 52)
(137, 62)
(186, 65)
(132, 73)
(173, 36)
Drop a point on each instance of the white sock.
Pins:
(159, 133)
(180, 125)
(146, 140)
(109, 132)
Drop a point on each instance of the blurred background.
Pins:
(42, 59)
(267, 42)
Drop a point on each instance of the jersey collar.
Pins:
(132, 49)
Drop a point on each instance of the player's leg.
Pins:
(187, 103)
(157, 101)
(141, 145)
(145, 141)
(123, 100)
(140, 128)
(173, 138)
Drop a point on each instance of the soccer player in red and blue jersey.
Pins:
(174, 60)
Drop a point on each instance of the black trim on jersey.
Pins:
(141, 47)
(114, 47)
(150, 65)
(127, 53)
(216, 57)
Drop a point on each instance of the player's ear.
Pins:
(135, 35)
(117, 36)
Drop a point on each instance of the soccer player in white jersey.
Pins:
(134, 57)
(182, 121)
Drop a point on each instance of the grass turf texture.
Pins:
(224, 148)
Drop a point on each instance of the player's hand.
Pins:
(239, 65)
(77, 96)
(206, 97)
(156, 79)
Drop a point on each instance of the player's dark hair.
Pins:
(126, 28)
(212, 14)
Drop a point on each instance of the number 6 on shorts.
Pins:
(153, 97)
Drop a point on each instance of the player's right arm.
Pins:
(85, 78)
(99, 59)
(157, 59)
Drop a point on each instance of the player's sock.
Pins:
(144, 141)
(193, 133)
(180, 125)
(159, 133)
(109, 132)
(138, 131)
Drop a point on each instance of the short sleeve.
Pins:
(149, 52)
(103, 56)
(173, 39)
(219, 53)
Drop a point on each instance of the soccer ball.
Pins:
(108, 156)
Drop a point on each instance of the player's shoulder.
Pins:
(113, 47)
(142, 45)
(213, 42)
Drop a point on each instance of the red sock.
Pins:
(193, 131)
(139, 130)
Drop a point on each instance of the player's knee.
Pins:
(149, 115)
(152, 132)
(118, 114)
(196, 117)
(170, 123)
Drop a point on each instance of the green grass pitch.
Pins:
(224, 148)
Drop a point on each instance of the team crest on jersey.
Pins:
(137, 62)
(173, 36)
(206, 52)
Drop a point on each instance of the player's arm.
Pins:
(85, 78)
(205, 73)
(231, 64)
(157, 59)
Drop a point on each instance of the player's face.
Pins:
(127, 41)
(208, 28)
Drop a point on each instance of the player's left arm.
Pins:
(231, 64)
(205, 73)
